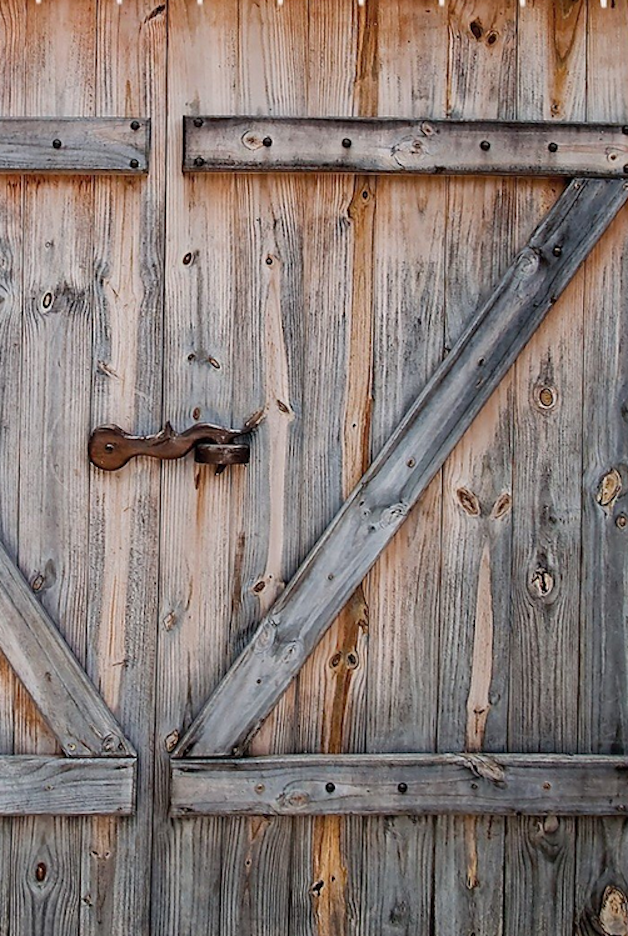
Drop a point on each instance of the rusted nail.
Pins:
(621, 521)
(485, 145)
(346, 143)
(402, 787)
(135, 125)
(134, 164)
(267, 141)
(56, 144)
(330, 787)
(553, 147)
(40, 872)
(198, 121)
(557, 250)
(199, 161)
(259, 787)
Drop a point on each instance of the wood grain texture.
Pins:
(126, 376)
(397, 784)
(393, 145)
(475, 574)
(379, 505)
(601, 846)
(79, 145)
(32, 785)
(408, 282)
(201, 531)
(50, 673)
(12, 65)
(546, 500)
(54, 479)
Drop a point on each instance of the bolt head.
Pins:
(134, 164)
(330, 787)
(553, 147)
(346, 143)
(56, 144)
(402, 787)
(485, 145)
(199, 161)
(267, 141)
(557, 250)
(198, 121)
(135, 125)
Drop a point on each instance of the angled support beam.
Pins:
(74, 145)
(50, 673)
(365, 524)
(363, 144)
(402, 784)
(60, 786)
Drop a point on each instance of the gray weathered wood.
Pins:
(88, 145)
(39, 785)
(381, 502)
(51, 674)
(441, 784)
(454, 147)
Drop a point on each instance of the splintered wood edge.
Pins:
(409, 784)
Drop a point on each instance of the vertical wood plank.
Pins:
(271, 329)
(402, 590)
(338, 246)
(54, 476)
(602, 845)
(200, 543)
(546, 498)
(475, 572)
(12, 37)
(124, 507)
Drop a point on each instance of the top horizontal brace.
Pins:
(378, 145)
(82, 145)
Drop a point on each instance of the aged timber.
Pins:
(49, 671)
(33, 785)
(368, 520)
(74, 145)
(379, 145)
(402, 784)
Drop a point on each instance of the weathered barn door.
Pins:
(490, 631)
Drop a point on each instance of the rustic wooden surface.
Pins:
(453, 147)
(397, 784)
(75, 145)
(333, 337)
(31, 785)
(498, 331)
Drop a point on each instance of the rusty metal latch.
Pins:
(111, 448)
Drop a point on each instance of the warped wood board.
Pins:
(397, 784)
(475, 570)
(455, 147)
(74, 145)
(33, 785)
(129, 222)
(49, 671)
(546, 499)
(59, 55)
(601, 860)
(379, 505)
(396, 873)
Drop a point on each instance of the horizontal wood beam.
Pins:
(365, 524)
(408, 784)
(322, 144)
(74, 145)
(51, 674)
(60, 786)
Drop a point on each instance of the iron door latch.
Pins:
(110, 447)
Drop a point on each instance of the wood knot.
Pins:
(468, 501)
(541, 582)
(609, 488)
(613, 914)
(171, 741)
(501, 506)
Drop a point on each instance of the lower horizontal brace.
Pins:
(401, 784)
(31, 785)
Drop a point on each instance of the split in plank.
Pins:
(74, 145)
(32, 785)
(371, 516)
(452, 147)
(402, 784)
(50, 673)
